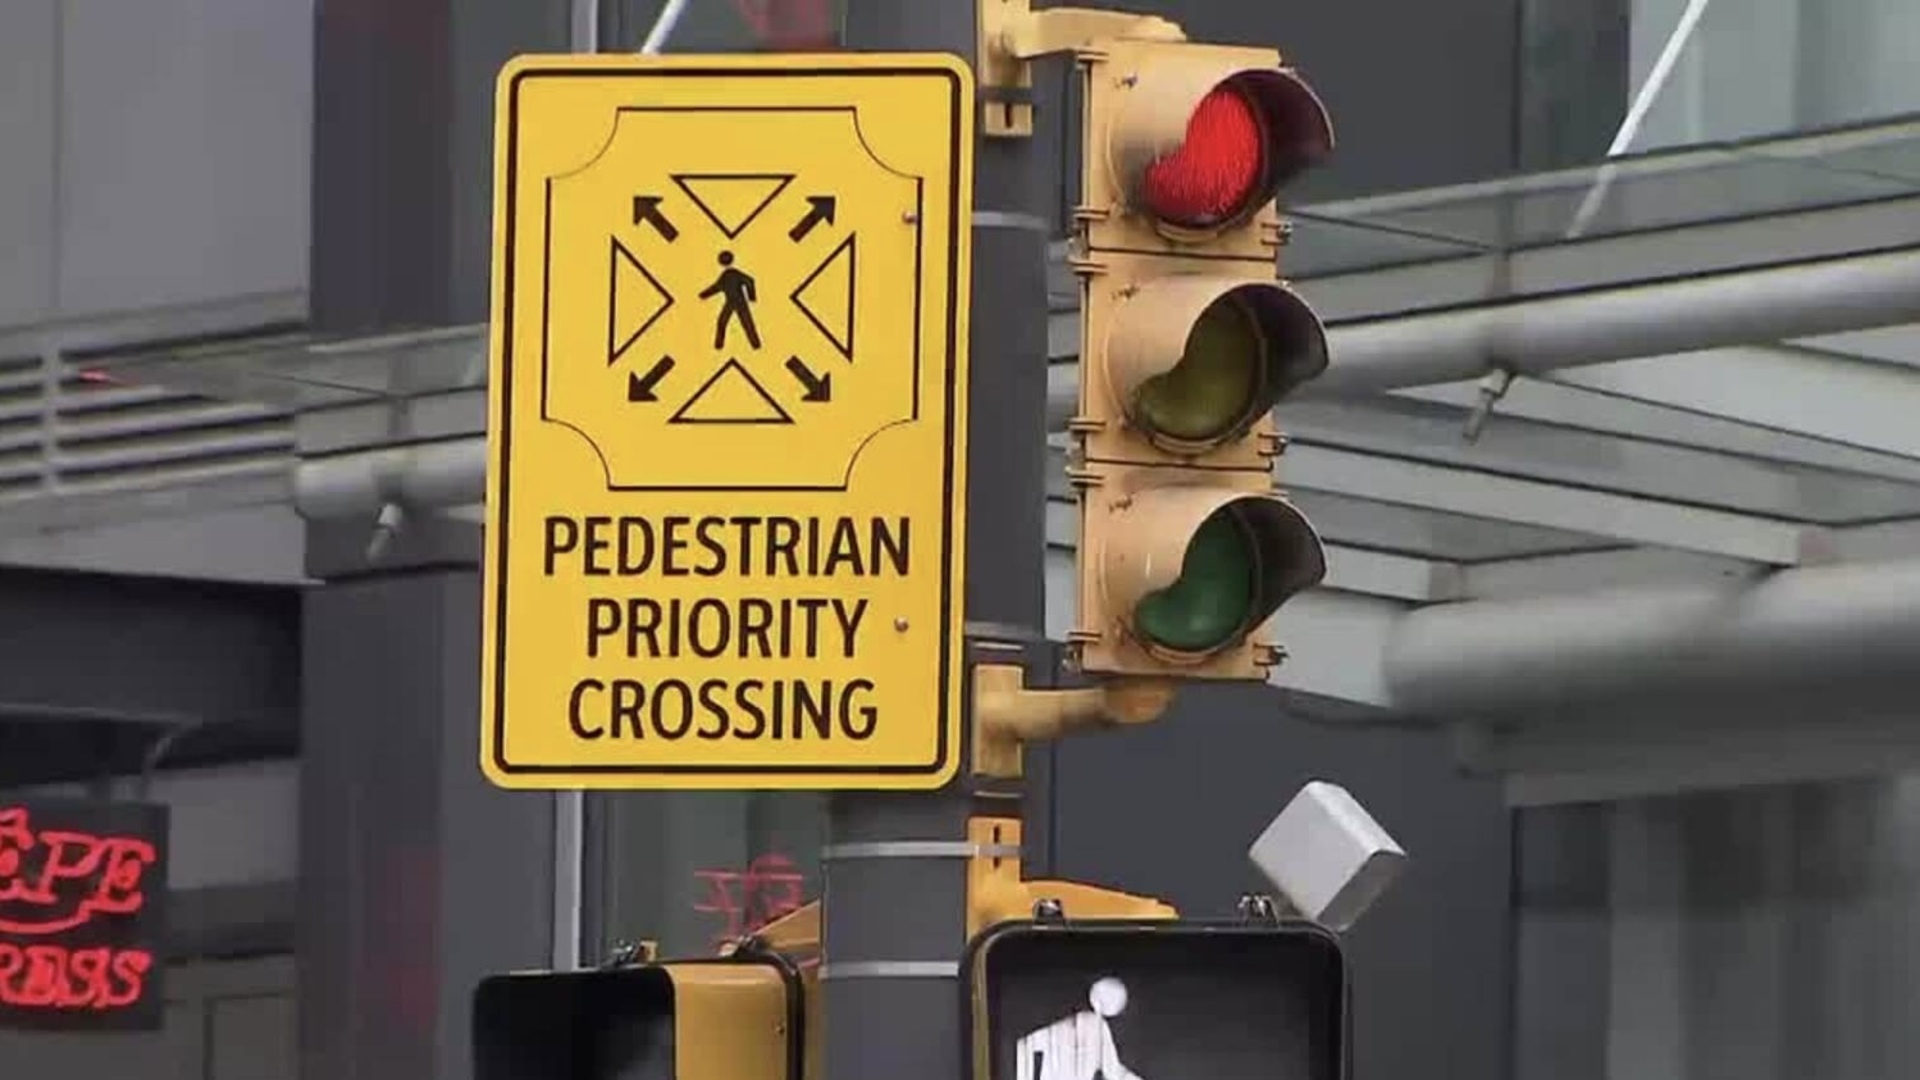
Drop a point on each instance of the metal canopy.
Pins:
(1714, 384)
(1783, 440)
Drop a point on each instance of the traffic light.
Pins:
(1188, 340)
(734, 1018)
(1227, 1001)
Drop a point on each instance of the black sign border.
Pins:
(502, 427)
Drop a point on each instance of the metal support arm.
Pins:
(1012, 34)
(796, 933)
(996, 892)
(1007, 715)
(1535, 336)
(1799, 627)
(423, 476)
(1649, 319)
(1026, 34)
(998, 889)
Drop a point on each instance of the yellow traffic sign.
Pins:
(727, 459)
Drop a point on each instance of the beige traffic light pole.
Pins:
(910, 879)
(894, 912)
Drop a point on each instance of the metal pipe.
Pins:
(663, 27)
(1856, 292)
(1750, 307)
(584, 32)
(569, 879)
(570, 807)
(426, 476)
(1643, 100)
(1854, 622)
(894, 928)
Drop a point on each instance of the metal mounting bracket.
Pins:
(1008, 715)
(797, 932)
(631, 953)
(998, 889)
(1012, 34)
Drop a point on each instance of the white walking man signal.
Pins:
(1079, 1047)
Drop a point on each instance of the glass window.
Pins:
(1742, 69)
(1759, 934)
(689, 870)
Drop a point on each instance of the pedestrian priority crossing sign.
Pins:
(727, 452)
(1157, 1000)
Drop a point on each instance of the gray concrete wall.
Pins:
(93, 667)
(225, 1020)
(156, 153)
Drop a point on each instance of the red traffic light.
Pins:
(1203, 150)
(1217, 168)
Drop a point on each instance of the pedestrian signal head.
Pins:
(1226, 1000)
(1201, 145)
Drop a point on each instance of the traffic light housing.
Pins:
(1227, 1001)
(1188, 340)
(733, 1018)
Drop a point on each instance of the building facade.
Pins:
(1616, 466)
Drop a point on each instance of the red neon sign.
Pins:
(59, 977)
(80, 875)
(748, 900)
(64, 894)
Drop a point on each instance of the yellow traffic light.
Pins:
(734, 1018)
(1156, 998)
(1188, 341)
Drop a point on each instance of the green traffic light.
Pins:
(1216, 386)
(1212, 601)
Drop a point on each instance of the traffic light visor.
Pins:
(1198, 569)
(1225, 1002)
(1203, 148)
(1198, 361)
(717, 1019)
(590, 1024)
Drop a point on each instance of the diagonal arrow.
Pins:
(820, 208)
(646, 211)
(641, 387)
(818, 387)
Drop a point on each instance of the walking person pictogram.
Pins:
(735, 289)
(1079, 1047)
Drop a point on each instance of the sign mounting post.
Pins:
(727, 461)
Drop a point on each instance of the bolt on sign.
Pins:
(726, 468)
(82, 900)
